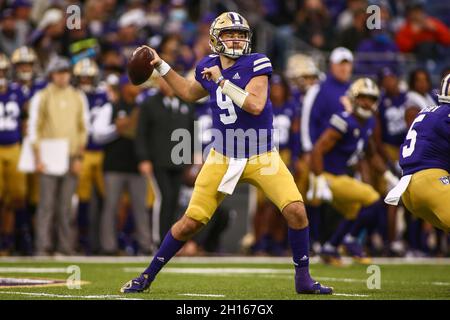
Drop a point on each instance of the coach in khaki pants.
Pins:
(58, 112)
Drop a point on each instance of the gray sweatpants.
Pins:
(115, 184)
(55, 196)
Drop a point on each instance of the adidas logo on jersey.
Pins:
(236, 76)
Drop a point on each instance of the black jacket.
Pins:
(159, 117)
(120, 153)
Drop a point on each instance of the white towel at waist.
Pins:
(393, 197)
(230, 179)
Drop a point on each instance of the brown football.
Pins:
(139, 67)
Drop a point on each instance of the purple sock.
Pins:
(342, 229)
(169, 247)
(367, 219)
(299, 241)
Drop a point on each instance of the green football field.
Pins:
(220, 278)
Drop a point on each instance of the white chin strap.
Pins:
(25, 76)
(3, 82)
(363, 113)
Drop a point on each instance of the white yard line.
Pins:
(32, 270)
(350, 295)
(50, 295)
(202, 295)
(340, 279)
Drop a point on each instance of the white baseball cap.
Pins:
(134, 17)
(341, 54)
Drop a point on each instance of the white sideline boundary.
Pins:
(202, 295)
(67, 296)
(213, 260)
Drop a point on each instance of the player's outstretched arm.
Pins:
(187, 90)
(325, 144)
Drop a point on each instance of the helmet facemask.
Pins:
(86, 75)
(24, 71)
(86, 83)
(228, 45)
(363, 112)
(444, 95)
(229, 21)
(364, 88)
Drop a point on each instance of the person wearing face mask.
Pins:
(86, 74)
(178, 21)
(12, 181)
(347, 140)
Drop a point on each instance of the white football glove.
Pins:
(391, 179)
(318, 188)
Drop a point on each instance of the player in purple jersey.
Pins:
(238, 85)
(24, 60)
(12, 181)
(86, 76)
(389, 134)
(340, 146)
(425, 161)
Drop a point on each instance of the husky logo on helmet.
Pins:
(229, 21)
(444, 95)
(87, 69)
(23, 55)
(364, 87)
